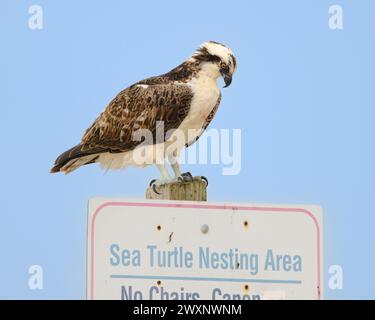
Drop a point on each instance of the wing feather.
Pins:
(137, 107)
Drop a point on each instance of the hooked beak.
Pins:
(227, 79)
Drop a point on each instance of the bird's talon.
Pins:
(151, 183)
(155, 190)
(187, 176)
(205, 180)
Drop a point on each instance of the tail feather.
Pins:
(73, 159)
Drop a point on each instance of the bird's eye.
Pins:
(223, 65)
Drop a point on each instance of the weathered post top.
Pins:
(195, 190)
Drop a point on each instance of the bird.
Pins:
(151, 121)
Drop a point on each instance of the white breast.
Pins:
(206, 93)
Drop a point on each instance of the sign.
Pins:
(153, 250)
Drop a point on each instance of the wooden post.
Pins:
(195, 190)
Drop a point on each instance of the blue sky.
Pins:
(303, 97)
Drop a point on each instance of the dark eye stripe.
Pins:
(234, 61)
(204, 55)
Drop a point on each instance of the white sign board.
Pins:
(193, 250)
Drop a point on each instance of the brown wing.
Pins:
(212, 113)
(138, 107)
(208, 120)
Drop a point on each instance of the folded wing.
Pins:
(140, 106)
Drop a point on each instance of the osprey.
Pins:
(152, 120)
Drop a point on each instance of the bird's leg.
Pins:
(183, 177)
(165, 178)
(176, 169)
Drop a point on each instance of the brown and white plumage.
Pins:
(182, 100)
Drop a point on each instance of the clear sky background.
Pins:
(303, 97)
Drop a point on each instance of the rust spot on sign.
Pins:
(170, 237)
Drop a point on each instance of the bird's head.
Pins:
(217, 60)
